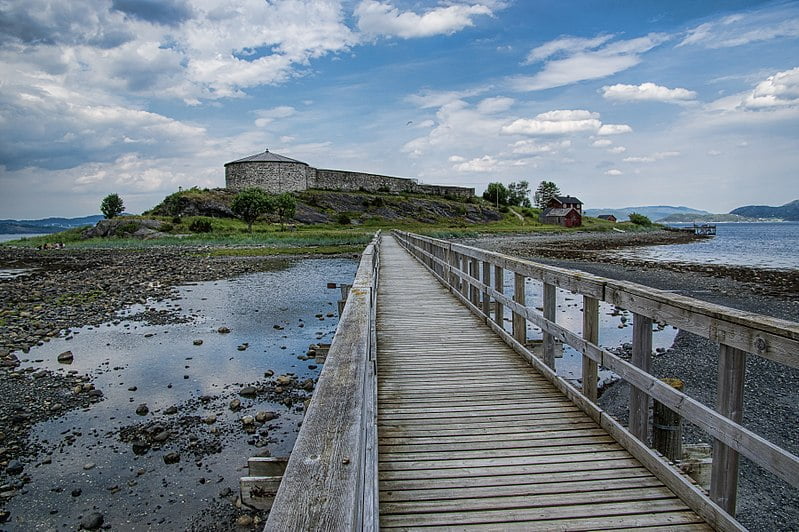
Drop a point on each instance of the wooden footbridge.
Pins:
(430, 414)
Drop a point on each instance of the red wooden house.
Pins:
(563, 210)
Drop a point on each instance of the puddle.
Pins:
(86, 466)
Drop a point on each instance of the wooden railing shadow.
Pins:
(477, 276)
(330, 481)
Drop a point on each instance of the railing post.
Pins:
(474, 273)
(464, 268)
(499, 286)
(729, 403)
(642, 358)
(590, 334)
(550, 301)
(519, 321)
(487, 282)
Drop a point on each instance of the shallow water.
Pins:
(772, 245)
(161, 361)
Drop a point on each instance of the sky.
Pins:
(621, 103)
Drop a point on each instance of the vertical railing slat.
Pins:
(519, 321)
(590, 334)
(641, 358)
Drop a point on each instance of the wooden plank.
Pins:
(519, 322)
(549, 304)
(556, 484)
(729, 403)
(642, 359)
(512, 451)
(591, 335)
(542, 500)
(512, 461)
(499, 286)
(532, 514)
(673, 520)
(539, 475)
(267, 466)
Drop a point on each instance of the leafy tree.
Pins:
(639, 219)
(112, 206)
(546, 191)
(496, 193)
(285, 205)
(519, 194)
(251, 203)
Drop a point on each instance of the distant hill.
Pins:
(653, 212)
(705, 218)
(46, 225)
(789, 211)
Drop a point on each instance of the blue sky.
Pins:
(621, 103)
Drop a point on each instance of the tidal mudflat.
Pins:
(183, 390)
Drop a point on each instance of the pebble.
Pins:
(93, 521)
(66, 357)
(142, 409)
(171, 458)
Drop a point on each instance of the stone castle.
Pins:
(277, 174)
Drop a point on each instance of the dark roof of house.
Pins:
(606, 216)
(266, 157)
(568, 199)
(559, 212)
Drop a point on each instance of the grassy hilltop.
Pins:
(325, 222)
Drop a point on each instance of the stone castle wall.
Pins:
(277, 178)
(274, 178)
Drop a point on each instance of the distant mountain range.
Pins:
(789, 211)
(46, 225)
(654, 213)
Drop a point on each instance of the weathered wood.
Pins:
(259, 492)
(641, 358)
(484, 295)
(667, 426)
(499, 286)
(549, 304)
(729, 403)
(267, 466)
(591, 335)
(474, 272)
(519, 321)
(329, 453)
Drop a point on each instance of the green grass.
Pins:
(269, 239)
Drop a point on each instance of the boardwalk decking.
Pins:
(470, 435)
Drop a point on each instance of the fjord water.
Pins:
(771, 245)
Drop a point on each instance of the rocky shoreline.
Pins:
(52, 294)
(771, 407)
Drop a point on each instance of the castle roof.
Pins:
(266, 157)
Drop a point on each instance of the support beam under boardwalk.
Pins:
(470, 435)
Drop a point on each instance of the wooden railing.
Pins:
(331, 478)
(477, 277)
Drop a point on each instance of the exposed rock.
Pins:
(142, 409)
(66, 357)
(248, 391)
(92, 521)
(171, 458)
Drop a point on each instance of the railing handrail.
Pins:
(458, 267)
(330, 481)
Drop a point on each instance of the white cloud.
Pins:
(780, 21)
(558, 122)
(381, 18)
(601, 143)
(614, 129)
(566, 46)
(617, 149)
(779, 90)
(613, 171)
(495, 105)
(486, 163)
(714, 153)
(647, 92)
(585, 59)
(659, 156)
(267, 116)
(427, 98)
(456, 159)
(526, 147)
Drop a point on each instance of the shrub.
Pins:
(177, 220)
(343, 219)
(165, 228)
(200, 225)
(639, 219)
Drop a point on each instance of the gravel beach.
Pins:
(771, 404)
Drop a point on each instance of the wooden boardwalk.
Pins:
(471, 436)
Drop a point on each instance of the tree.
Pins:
(496, 193)
(546, 191)
(285, 206)
(519, 194)
(251, 203)
(112, 206)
